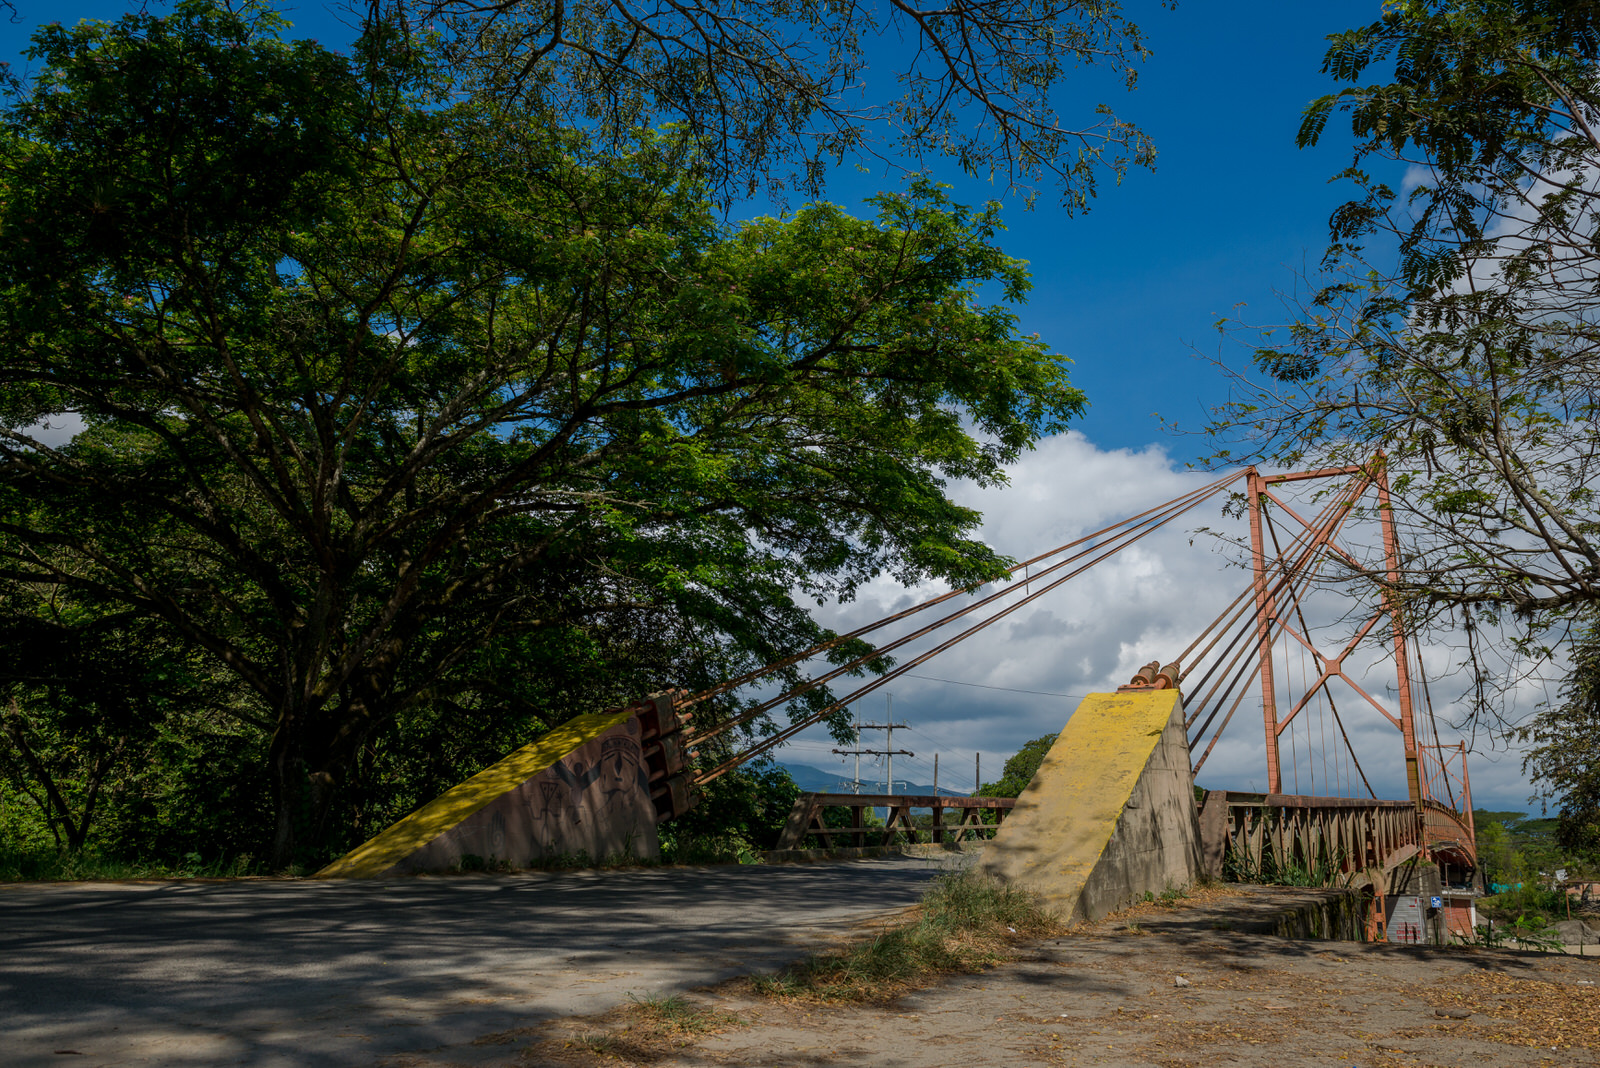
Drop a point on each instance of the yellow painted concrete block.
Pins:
(381, 854)
(1110, 813)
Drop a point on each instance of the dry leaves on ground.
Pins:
(1539, 1014)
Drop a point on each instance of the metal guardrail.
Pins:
(1279, 832)
(1265, 832)
(808, 818)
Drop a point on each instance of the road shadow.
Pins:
(248, 972)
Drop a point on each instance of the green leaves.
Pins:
(1564, 737)
(1484, 94)
(1468, 357)
(401, 402)
(1452, 326)
(201, 86)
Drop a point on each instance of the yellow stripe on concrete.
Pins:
(1066, 818)
(378, 855)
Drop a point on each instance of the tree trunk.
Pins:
(307, 766)
(292, 795)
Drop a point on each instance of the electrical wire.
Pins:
(984, 686)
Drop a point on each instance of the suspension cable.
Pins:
(1215, 738)
(1427, 698)
(1298, 604)
(1306, 627)
(1172, 510)
(1291, 576)
(1288, 574)
(1178, 507)
(822, 647)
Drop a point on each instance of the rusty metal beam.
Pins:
(1255, 487)
(1326, 472)
(1391, 563)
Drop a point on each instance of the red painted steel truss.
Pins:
(1436, 775)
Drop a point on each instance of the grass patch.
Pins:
(677, 1015)
(600, 1042)
(965, 923)
(51, 866)
(1170, 898)
(650, 1030)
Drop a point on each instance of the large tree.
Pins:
(398, 400)
(1564, 754)
(115, 734)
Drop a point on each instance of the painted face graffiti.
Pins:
(621, 764)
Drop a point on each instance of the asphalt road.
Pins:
(307, 973)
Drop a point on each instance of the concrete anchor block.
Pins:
(581, 790)
(1110, 814)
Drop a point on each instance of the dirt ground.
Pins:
(1110, 994)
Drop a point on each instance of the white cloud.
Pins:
(1147, 603)
(1416, 175)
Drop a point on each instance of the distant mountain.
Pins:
(818, 780)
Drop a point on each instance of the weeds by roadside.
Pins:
(1151, 906)
(50, 866)
(1169, 898)
(600, 1042)
(648, 1030)
(728, 848)
(678, 1015)
(1325, 870)
(1525, 932)
(965, 923)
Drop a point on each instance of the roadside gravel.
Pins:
(1108, 995)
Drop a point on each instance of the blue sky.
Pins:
(1231, 212)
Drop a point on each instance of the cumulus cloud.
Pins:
(1022, 677)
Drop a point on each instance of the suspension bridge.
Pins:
(600, 784)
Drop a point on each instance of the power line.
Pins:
(981, 686)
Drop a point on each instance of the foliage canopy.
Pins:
(1565, 738)
(429, 422)
(1020, 769)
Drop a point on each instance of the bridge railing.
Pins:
(1264, 836)
(808, 819)
(1449, 835)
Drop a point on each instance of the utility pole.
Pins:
(888, 751)
(858, 752)
(888, 740)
